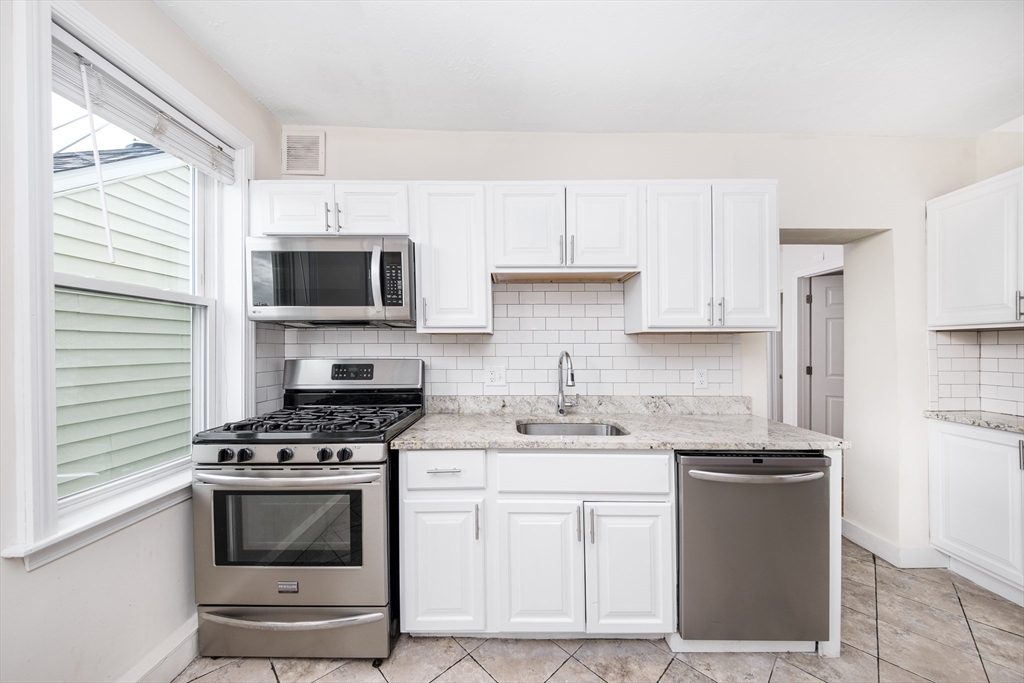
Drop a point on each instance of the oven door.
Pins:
(291, 536)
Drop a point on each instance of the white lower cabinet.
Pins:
(540, 560)
(442, 566)
(590, 553)
(976, 494)
(630, 578)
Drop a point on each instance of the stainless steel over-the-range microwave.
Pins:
(350, 280)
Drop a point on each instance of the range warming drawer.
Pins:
(754, 546)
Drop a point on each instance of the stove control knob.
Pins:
(245, 454)
(345, 454)
(225, 455)
(324, 454)
(285, 454)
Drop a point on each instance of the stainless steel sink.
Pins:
(569, 429)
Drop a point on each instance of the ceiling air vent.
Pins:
(303, 153)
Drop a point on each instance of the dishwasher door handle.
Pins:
(730, 478)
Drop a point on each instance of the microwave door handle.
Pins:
(378, 305)
(286, 482)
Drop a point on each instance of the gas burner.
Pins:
(338, 420)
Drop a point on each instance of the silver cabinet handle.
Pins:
(579, 525)
(730, 478)
(292, 625)
(572, 249)
(284, 483)
(327, 217)
(1020, 449)
(1020, 298)
(424, 311)
(721, 311)
(450, 470)
(378, 304)
(337, 215)
(561, 249)
(477, 514)
(591, 525)
(711, 305)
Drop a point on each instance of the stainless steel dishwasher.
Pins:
(753, 545)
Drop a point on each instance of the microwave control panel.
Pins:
(392, 263)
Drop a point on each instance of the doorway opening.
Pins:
(821, 350)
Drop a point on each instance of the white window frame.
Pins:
(48, 529)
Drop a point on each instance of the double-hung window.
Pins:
(134, 182)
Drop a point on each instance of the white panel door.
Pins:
(976, 254)
(296, 208)
(746, 236)
(442, 566)
(540, 559)
(827, 355)
(365, 209)
(678, 270)
(528, 227)
(630, 568)
(601, 225)
(453, 269)
(975, 497)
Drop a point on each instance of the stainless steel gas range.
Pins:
(295, 514)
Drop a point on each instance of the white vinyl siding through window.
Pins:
(124, 386)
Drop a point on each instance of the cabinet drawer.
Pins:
(445, 470)
(615, 472)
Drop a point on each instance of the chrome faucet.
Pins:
(563, 402)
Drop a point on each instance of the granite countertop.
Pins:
(652, 423)
(980, 418)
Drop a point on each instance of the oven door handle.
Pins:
(292, 625)
(378, 304)
(285, 482)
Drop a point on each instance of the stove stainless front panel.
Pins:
(301, 454)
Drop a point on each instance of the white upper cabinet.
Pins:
(540, 561)
(976, 254)
(365, 209)
(630, 583)
(746, 248)
(318, 208)
(455, 285)
(601, 226)
(296, 208)
(678, 272)
(528, 226)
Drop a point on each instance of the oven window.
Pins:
(288, 529)
(311, 278)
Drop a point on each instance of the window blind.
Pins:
(119, 99)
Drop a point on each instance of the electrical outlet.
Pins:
(700, 378)
(495, 376)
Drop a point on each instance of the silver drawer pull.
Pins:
(450, 470)
(292, 625)
(756, 478)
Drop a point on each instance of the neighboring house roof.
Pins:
(70, 161)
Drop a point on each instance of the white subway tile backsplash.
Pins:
(977, 370)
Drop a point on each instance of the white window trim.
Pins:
(45, 532)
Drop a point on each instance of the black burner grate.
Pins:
(317, 418)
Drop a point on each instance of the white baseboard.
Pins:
(169, 658)
(985, 580)
(905, 558)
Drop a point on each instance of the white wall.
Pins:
(94, 614)
(793, 259)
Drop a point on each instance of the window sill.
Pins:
(105, 517)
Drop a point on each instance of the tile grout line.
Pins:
(573, 656)
(662, 674)
(878, 636)
(273, 670)
(971, 631)
(454, 664)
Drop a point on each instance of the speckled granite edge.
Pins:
(980, 418)
(593, 405)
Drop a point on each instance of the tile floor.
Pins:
(899, 625)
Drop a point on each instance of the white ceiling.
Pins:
(841, 68)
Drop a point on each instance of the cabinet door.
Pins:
(365, 209)
(679, 255)
(976, 253)
(540, 557)
(746, 246)
(975, 497)
(601, 224)
(295, 208)
(528, 226)
(630, 568)
(442, 566)
(453, 268)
